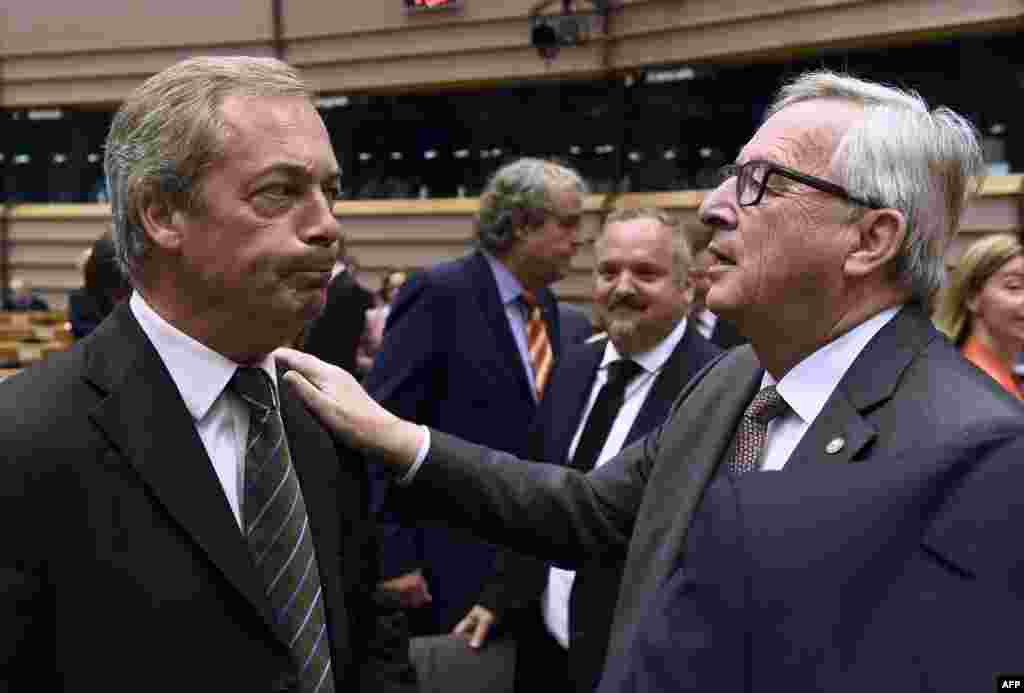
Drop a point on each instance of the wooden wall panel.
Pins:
(58, 26)
(47, 240)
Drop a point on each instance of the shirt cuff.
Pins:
(421, 455)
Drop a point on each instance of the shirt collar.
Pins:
(509, 288)
(808, 385)
(651, 360)
(200, 373)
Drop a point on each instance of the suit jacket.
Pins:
(519, 580)
(449, 361)
(574, 323)
(725, 335)
(908, 396)
(129, 572)
(335, 334)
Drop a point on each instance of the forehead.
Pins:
(1014, 266)
(566, 200)
(804, 135)
(265, 131)
(641, 239)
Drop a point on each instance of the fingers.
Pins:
(309, 366)
(476, 625)
(310, 394)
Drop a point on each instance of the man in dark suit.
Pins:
(561, 620)
(575, 324)
(334, 335)
(456, 355)
(840, 464)
(183, 523)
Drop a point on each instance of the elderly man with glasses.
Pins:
(831, 508)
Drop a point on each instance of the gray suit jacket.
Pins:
(908, 390)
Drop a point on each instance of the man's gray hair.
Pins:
(169, 131)
(518, 195)
(682, 246)
(924, 163)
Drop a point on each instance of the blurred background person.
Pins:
(603, 396)
(104, 287)
(334, 336)
(469, 347)
(21, 296)
(720, 332)
(982, 308)
(377, 318)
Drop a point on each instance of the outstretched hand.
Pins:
(342, 405)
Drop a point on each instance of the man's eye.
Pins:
(332, 191)
(277, 191)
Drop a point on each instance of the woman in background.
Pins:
(982, 308)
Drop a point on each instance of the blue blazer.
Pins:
(888, 562)
(519, 580)
(449, 361)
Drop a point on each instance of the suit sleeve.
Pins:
(379, 630)
(518, 580)
(407, 379)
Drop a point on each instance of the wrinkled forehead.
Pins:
(805, 135)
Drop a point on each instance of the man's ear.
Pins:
(162, 223)
(880, 234)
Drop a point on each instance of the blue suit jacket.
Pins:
(894, 558)
(449, 361)
(519, 580)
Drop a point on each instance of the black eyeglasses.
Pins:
(752, 179)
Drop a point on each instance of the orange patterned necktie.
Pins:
(538, 343)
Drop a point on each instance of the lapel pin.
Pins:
(835, 445)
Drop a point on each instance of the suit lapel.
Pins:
(683, 363)
(569, 392)
(871, 380)
(485, 288)
(145, 418)
(315, 460)
(692, 445)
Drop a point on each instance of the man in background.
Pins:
(603, 396)
(469, 347)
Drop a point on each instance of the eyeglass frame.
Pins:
(820, 184)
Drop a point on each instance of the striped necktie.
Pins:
(278, 534)
(542, 358)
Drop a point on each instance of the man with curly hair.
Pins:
(457, 356)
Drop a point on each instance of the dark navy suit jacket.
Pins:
(449, 361)
(520, 580)
(890, 562)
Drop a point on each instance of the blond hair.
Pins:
(978, 263)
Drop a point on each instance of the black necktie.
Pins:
(277, 530)
(603, 414)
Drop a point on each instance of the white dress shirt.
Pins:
(808, 385)
(705, 322)
(555, 600)
(201, 375)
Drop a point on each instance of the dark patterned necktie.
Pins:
(748, 444)
(277, 530)
(542, 358)
(603, 413)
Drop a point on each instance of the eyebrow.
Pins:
(296, 171)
